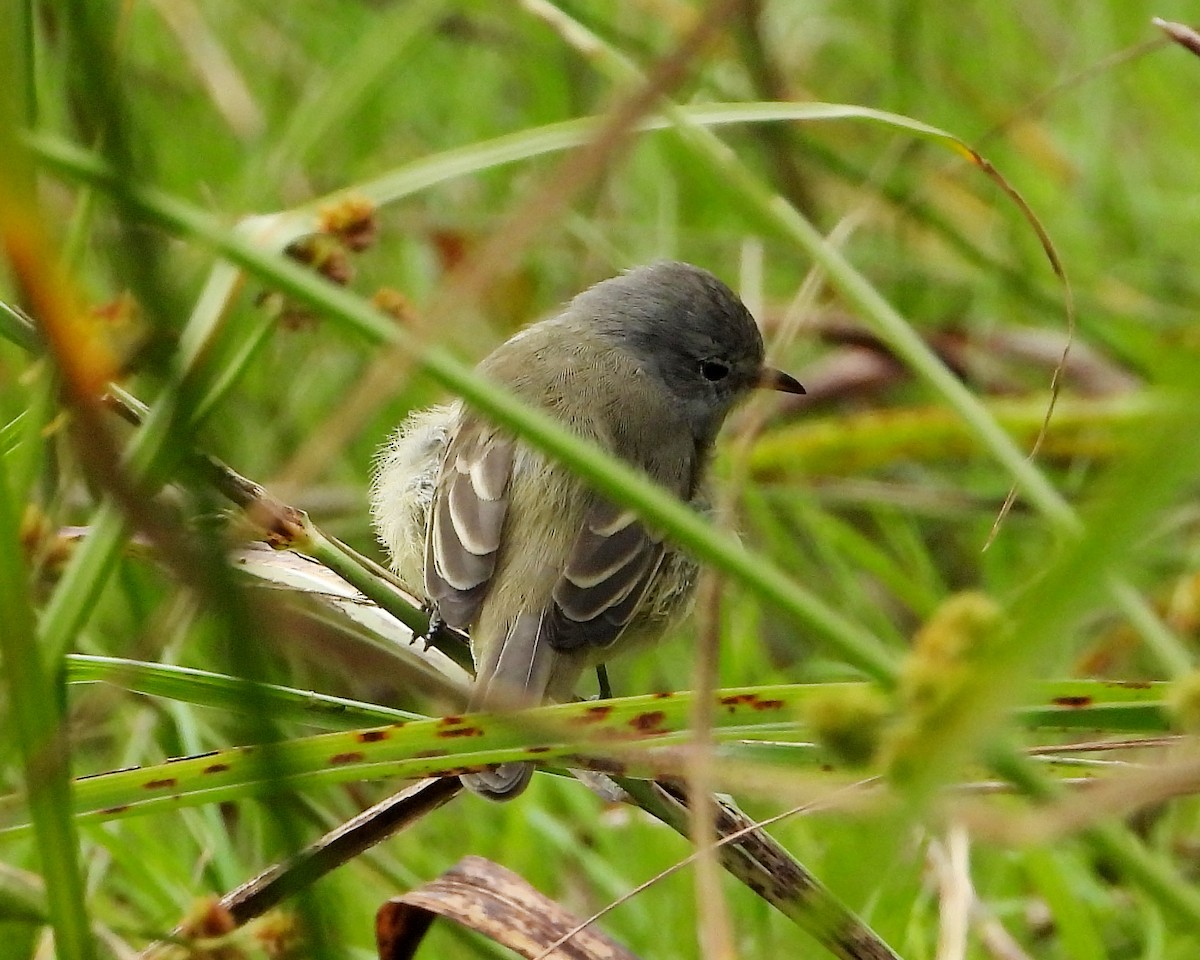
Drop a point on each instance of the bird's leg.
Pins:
(439, 634)
(436, 624)
(602, 680)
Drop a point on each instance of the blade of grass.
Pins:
(614, 731)
(223, 692)
(407, 749)
(1060, 705)
(45, 751)
(27, 676)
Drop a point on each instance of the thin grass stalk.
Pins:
(43, 744)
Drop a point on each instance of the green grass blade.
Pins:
(34, 718)
(615, 732)
(222, 692)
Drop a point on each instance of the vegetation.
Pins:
(243, 240)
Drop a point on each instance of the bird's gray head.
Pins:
(689, 329)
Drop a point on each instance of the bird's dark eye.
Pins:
(714, 369)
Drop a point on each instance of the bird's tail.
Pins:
(514, 676)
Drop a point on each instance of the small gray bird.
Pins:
(549, 577)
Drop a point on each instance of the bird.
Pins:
(547, 576)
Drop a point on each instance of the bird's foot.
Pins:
(436, 626)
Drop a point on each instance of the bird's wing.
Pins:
(610, 566)
(466, 520)
(609, 569)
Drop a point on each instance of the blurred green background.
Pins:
(870, 493)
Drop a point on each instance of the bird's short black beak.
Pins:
(772, 379)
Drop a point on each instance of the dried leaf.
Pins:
(495, 902)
